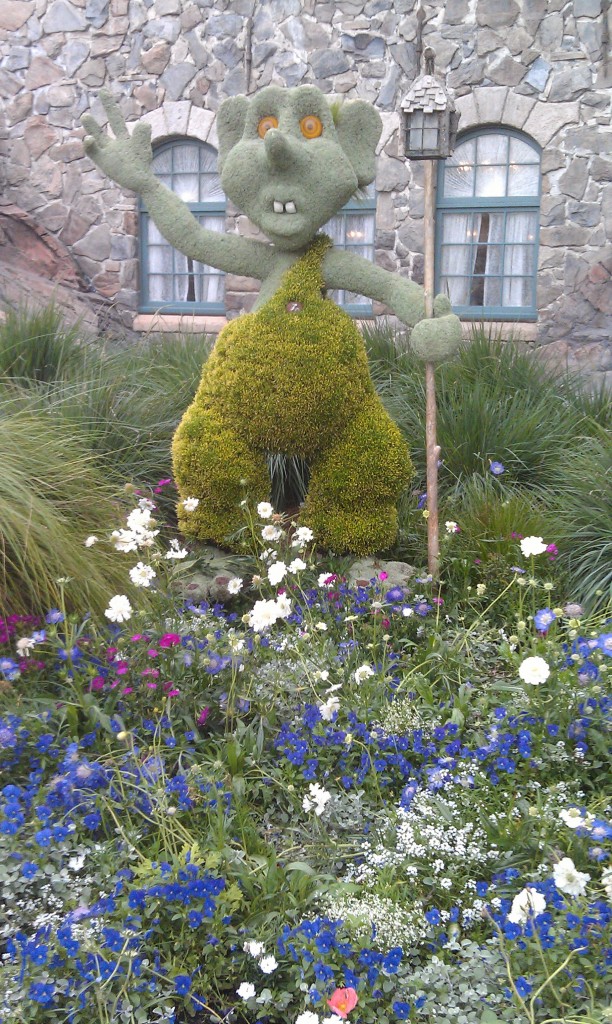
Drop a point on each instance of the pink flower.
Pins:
(173, 693)
(127, 689)
(342, 1001)
(169, 640)
(204, 713)
(385, 623)
(121, 667)
(151, 686)
(152, 653)
(381, 576)
(97, 683)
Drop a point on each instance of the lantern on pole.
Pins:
(430, 133)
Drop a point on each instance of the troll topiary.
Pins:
(292, 376)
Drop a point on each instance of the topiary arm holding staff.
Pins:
(127, 160)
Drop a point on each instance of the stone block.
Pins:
(549, 257)
(41, 72)
(538, 73)
(547, 119)
(564, 234)
(18, 58)
(495, 13)
(163, 28)
(19, 109)
(329, 62)
(176, 116)
(601, 170)
(63, 17)
(392, 175)
(487, 41)
(96, 12)
(550, 32)
(72, 55)
(588, 215)
(229, 25)
(93, 72)
(39, 136)
(387, 97)
(60, 95)
(190, 17)
(533, 11)
(469, 72)
(587, 8)
(96, 245)
(176, 78)
(490, 102)
(468, 109)
(74, 227)
(589, 140)
(505, 71)
(573, 181)
(567, 85)
(156, 59)
(552, 159)
(552, 210)
(14, 15)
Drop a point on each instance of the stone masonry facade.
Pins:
(542, 66)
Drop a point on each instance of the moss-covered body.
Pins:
(293, 378)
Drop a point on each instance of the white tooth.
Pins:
(290, 207)
(278, 207)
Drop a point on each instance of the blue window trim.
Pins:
(216, 209)
(485, 204)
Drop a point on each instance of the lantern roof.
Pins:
(426, 94)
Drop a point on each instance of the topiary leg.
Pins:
(356, 483)
(213, 463)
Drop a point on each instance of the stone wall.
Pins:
(539, 65)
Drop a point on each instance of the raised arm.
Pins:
(432, 340)
(127, 160)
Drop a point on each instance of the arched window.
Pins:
(171, 282)
(354, 229)
(487, 225)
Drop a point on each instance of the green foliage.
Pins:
(36, 347)
(53, 495)
(303, 378)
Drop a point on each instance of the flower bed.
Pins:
(319, 801)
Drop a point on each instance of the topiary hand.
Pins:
(439, 338)
(126, 158)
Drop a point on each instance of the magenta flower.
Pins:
(204, 713)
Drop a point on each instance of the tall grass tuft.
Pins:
(52, 496)
(37, 347)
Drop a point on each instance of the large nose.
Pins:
(281, 150)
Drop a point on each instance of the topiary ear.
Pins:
(230, 124)
(358, 128)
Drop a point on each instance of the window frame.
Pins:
(365, 205)
(487, 204)
(215, 209)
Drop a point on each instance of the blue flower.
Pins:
(433, 916)
(522, 986)
(543, 619)
(401, 1010)
(29, 869)
(182, 984)
(41, 992)
(54, 616)
(604, 643)
(497, 468)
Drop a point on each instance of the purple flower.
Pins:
(53, 616)
(543, 619)
(497, 468)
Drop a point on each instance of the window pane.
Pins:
(523, 153)
(519, 259)
(162, 162)
(491, 181)
(160, 288)
(457, 289)
(524, 180)
(518, 291)
(520, 227)
(186, 186)
(492, 149)
(459, 180)
(186, 159)
(465, 153)
(359, 229)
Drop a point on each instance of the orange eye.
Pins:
(311, 126)
(265, 124)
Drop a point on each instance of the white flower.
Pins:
(307, 1018)
(90, 541)
(268, 964)
(77, 862)
(297, 565)
(190, 504)
(270, 532)
(141, 575)
(481, 588)
(139, 519)
(283, 604)
(124, 540)
(25, 645)
(451, 527)
(528, 902)
(263, 615)
(329, 708)
(264, 510)
(363, 672)
(568, 879)
(246, 990)
(606, 881)
(407, 612)
(321, 626)
(574, 818)
(326, 579)
(277, 572)
(253, 948)
(532, 546)
(534, 671)
(119, 609)
(234, 586)
(317, 798)
(146, 503)
(302, 536)
(175, 550)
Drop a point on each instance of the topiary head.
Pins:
(290, 163)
